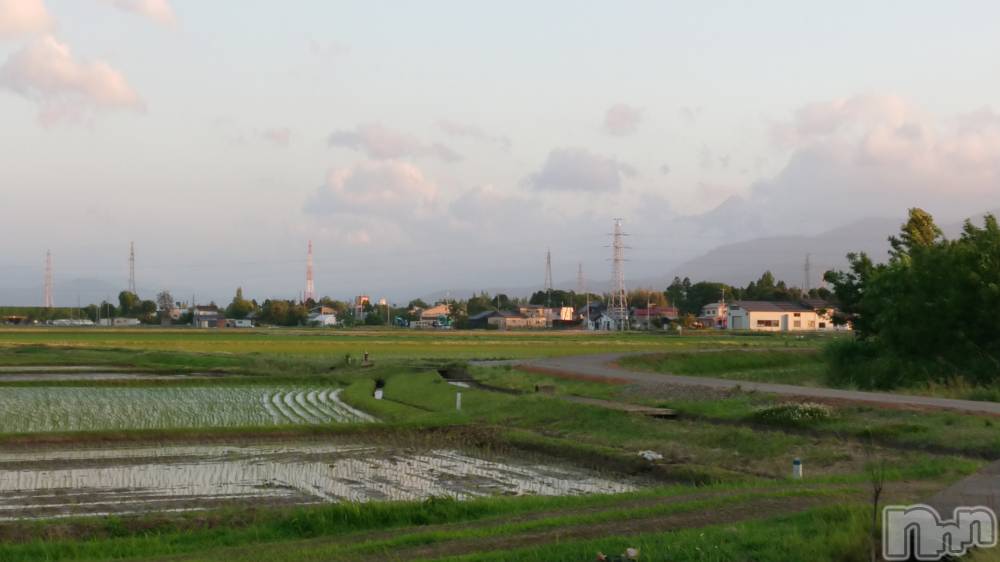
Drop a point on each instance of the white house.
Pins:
(780, 316)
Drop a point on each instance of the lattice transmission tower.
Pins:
(48, 280)
(581, 288)
(618, 307)
(131, 268)
(310, 293)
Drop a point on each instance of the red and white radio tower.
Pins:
(310, 293)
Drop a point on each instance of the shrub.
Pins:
(791, 413)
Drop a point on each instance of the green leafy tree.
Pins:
(128, 303)
(240, 307)
(919, 231)
(928, 314)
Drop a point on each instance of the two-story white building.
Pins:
(781, 316)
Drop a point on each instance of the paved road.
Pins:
(600, 366)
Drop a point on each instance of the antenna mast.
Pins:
(808, 266)
(48, 279)
(618, 307)
(131, 268)
(548, 278)
(310, 293)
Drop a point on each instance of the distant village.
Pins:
(764, 305)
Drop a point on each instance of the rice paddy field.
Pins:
(35, 409)
(182, 444)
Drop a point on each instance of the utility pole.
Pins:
(131, 268)
(548, 279)
(48, 279)
(618, 307)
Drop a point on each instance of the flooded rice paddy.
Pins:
(54, 408)
(56, 483)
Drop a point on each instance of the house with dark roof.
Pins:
(781, 316)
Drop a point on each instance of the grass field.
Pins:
(720, 491)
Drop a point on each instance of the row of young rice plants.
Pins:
(48, 409)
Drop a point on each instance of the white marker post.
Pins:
(458, 401)
(797, 469)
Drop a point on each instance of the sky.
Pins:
(446, 145)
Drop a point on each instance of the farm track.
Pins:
(604, 367)
(757, 506)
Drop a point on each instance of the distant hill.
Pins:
(741, 262)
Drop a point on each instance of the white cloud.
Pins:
(873, 155)
(65, 88)
(388, 189)
(159, 11)
(621, 120)
(577, 169)
(381, 143)
(473, 132)
(23, 17)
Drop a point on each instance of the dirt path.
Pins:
(603, 367)
(750, 508)
(730, 513)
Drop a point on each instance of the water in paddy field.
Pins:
(57, 483)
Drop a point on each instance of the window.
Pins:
(767, 323)
(812, 323)
(797, 324)
(797, 314)
(822, 324)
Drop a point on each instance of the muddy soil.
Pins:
(96, 481)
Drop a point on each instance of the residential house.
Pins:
(207, 316)
(436, 312)
(504, 320)
(715, 315)
(644, 317)
(480, 320)
(774, 316)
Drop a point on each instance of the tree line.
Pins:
(929, 313)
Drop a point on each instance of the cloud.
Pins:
(621, 120)
(473, 132)
(281, 136)
(65, 88)
(159, 11)
(577, 169)
(874, 155)
(381, 143)
(388, 189)
(23, 17)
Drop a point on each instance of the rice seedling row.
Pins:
(46, 409)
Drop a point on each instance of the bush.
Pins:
(790, 413)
